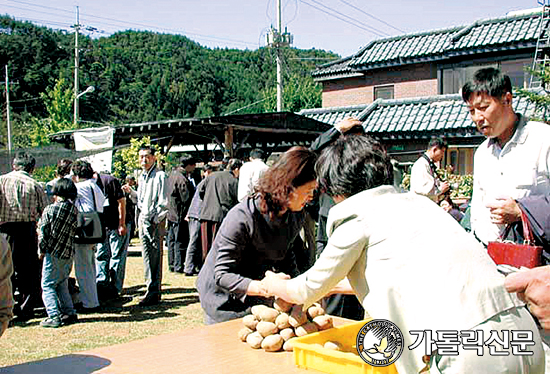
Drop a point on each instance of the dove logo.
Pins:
(380, 342)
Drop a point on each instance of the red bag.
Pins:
(518, 255)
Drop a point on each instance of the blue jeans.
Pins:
(55, 287)
(111, 257)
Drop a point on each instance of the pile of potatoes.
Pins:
(275, 328)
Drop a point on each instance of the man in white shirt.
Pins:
(424, 179)
(514, 160)
(250, 172)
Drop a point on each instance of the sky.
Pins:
(340, 26)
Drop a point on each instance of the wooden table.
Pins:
(210, 349)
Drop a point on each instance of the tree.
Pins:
(125, 161)
(300, 92)
(58, 102)
(539, 98)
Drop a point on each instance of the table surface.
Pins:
(204, 350)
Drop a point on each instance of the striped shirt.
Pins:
(56, 229)
(22, 199)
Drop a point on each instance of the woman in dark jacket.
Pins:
(255, 236)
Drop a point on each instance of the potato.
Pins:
(282, 321)
(268, 314)
(323, 322)
(272, 343)
(266, 328)
(306, 328)
(335, 346)
(254, 340)
(282, 305)
(314, 311)
(287, 333)
(243, 333)
(256, 309)
(289, 345)
(297, 316)
(250, 321)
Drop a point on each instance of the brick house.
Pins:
(405, 87)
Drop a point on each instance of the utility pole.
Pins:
(76, 58)
(279, 62)
(277, 39)
(8, 111)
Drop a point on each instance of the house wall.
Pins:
(408, 81)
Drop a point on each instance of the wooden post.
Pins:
(228, 141)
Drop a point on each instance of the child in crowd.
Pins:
(56, 230)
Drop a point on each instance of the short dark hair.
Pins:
(353, 164)
(257, 154)
(24, 161)
(440, 143)
(82, 169)
(208, 167)
(234, 163)
(356, 130)
(147, 147)
(187, 160)
(65, 188)
(64, 167)
(489, 81)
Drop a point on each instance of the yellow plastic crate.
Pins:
(309, 352)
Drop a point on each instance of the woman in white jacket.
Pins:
(411, 263)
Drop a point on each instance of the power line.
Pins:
(40, 6)
(120, 23)
(371, 16)
(354, 23)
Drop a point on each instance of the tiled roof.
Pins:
(505, 33)
(412, 117)
(403, 48)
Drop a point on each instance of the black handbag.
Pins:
(90, 228)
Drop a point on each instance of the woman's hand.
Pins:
(275, 284)
(257, 288)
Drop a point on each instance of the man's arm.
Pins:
(334, 133)
(162, 198)
(122, 216)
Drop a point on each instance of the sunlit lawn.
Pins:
(118, 322)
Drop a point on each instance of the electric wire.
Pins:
(371, 16)
(339, 15)
(125, 23)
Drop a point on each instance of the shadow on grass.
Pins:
(119, 312)
(139, 290)
(72, 363)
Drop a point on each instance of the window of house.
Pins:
(383, 92)
(452, 79)
(461, 159)
(516, 71)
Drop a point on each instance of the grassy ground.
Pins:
(118, 322)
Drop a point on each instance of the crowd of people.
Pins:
(244, 231)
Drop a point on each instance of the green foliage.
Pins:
(125, 161)
(44, 173)
(540, 99)
(58, 102)
(142, 76)
(461, 185)
(299, 92)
